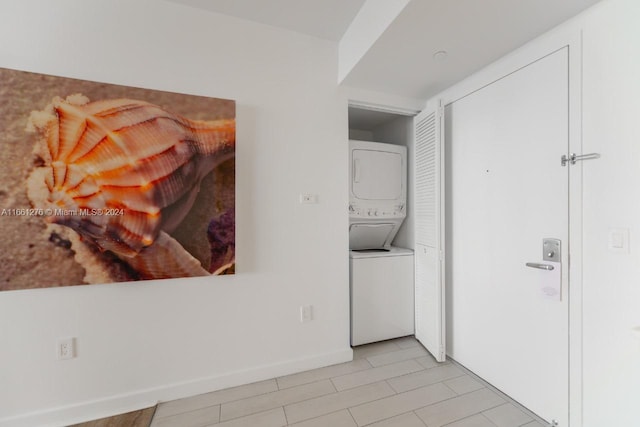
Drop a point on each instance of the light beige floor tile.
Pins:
(424, 378)
(393, 383)
(272, 418)
(400, 403)
(263, 402)
(376, 374)
(442, 413)
(334, 402)
(405, 420)
(474, 421)
(507, 415)
(407, 342)
(397, 356)
(323, 373)
(209, 399)
(429, 362)
(464, 384)
(534, 424)
(337, 419)
(197, 418)
(375, 348)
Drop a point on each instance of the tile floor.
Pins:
(388, 384)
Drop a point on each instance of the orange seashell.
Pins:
(122, 172)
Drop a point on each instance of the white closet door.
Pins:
(429, 232)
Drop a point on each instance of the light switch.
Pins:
(619, 240)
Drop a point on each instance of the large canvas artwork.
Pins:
(103, 183)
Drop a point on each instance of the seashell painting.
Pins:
(122, 183)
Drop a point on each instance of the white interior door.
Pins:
(429, 232)
(508, 192)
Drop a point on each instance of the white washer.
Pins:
(382, 294)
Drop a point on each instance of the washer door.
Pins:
(371, 236)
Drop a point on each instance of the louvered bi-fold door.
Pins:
(429, 232)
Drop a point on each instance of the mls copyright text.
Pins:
(60, 212)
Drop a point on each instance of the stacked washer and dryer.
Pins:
(381, 275)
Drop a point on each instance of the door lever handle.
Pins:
(540, 266)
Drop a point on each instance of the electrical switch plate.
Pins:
(306, 313)
(66, 348)
(619, 240)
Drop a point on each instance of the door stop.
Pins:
(573, 158)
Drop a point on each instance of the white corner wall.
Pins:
(159, 340)
(611, 287)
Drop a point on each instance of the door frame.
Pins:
(571, 37)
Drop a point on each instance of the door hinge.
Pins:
(573, 158)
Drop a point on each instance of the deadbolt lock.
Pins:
(551, 250)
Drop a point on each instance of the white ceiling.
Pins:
(473, 32)
(327, 19)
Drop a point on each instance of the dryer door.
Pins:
(377, 175)
(371, 236)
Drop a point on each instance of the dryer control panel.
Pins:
(396, 211)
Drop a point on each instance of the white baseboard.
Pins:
(140, 399)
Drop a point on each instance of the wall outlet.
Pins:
(306, 313)
(66, 348)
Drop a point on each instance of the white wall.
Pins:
(611, 199)
(360, 135)
(147, 341)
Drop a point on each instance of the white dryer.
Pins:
(377, 193)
